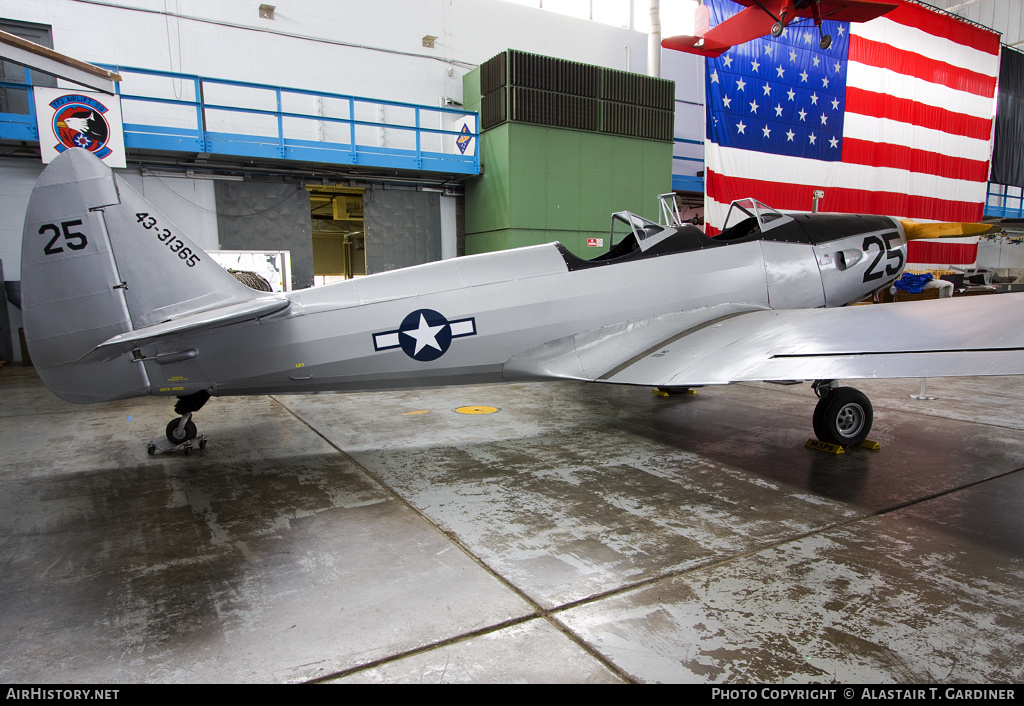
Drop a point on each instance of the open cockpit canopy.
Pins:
(647, 233)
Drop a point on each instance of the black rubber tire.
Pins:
(826, 42)
(816, 419)
(674, 391)
(172, 429)
(777, 29)
(843, 417)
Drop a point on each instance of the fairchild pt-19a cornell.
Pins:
(119, 303)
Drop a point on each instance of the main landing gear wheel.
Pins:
(826, 41)
(843, 416)
(777, 29)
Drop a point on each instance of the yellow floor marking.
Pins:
(476, 410)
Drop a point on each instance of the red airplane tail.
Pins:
(695, 45)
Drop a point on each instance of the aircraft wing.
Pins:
(757, 18)
(840, 10)
(935, 338)
(851, 10)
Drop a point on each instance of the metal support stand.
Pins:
(922, 396)
(162, 445)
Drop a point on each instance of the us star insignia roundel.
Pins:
(424, 335)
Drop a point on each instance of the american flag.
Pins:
(894, 118)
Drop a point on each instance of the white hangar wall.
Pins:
(371, 49)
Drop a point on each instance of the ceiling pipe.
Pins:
(654, 41)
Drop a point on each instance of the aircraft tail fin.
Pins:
(98, 261)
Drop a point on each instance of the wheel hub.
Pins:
(850, 420)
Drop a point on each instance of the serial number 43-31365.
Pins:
(167, 238)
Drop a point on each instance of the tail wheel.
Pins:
(176, 436)
(826, 41)
(843, 417)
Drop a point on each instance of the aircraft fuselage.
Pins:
(513, 315)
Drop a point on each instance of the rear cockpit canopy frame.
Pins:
(647, 233)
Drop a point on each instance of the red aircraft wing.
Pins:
(838, 10)
(757, 18)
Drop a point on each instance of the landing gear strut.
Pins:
(181, 431)
(843, 415)
(780, 24)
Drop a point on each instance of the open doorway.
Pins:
(339, 240)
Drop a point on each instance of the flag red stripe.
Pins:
(799, 197)
(884, 56)
(945, 26)
(881, 105)
(939, 253)
(878, 154)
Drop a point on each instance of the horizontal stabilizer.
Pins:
(221, 316)
(695, 45)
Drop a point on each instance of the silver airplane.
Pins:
(118, 303)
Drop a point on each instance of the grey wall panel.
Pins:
(6, 345)
(188, 203)
(265, 216)
(403, 228)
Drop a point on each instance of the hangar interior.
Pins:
(529, 532)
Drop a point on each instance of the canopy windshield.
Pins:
(647, 233)
(743, 209)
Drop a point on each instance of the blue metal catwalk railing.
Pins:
(170, 111)
(683, 182)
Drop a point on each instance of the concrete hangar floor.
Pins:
(578, 533)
